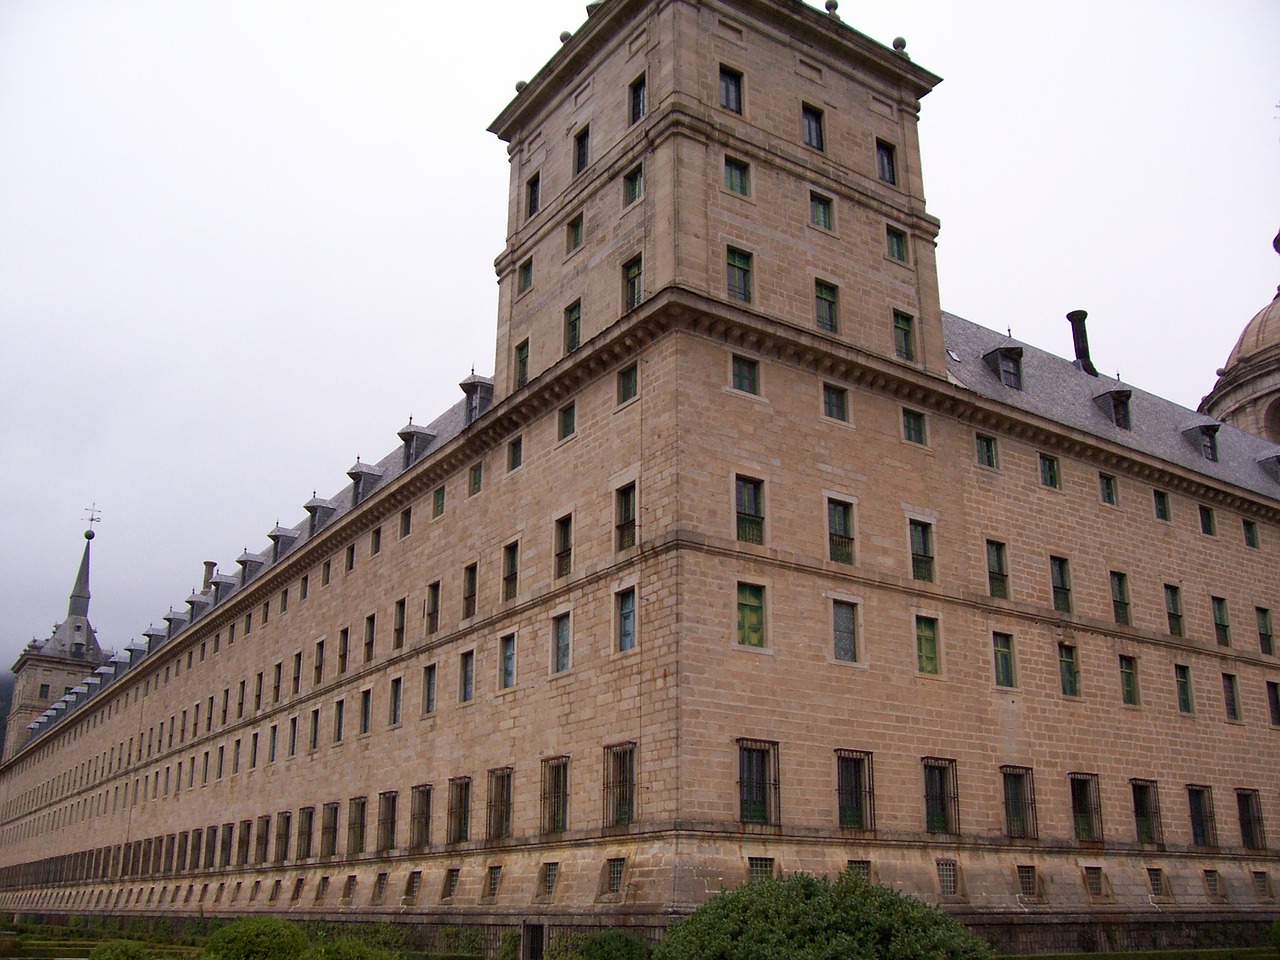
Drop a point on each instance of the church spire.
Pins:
(79, 605)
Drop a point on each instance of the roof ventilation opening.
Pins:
(1080, 337)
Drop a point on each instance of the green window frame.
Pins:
(985, 448)
(522, 363)
(895, 244)
(1221, 623)
(921, 539)
(824, 305)
(997, 570)
(751, 626)
(628, 383)
(1173, 609)
(633, 185)
(737, 176)
(913, 427)
(746, 374)
(738, 269)
(1050, 474)
(820, 210)
(1002, 650)
(904, 336)
(573, 326)
(1068, 670)
(1182, 680)
(1120, 597)
(927, 645)
(1060, 581)
(1128, 680)
(835, 402)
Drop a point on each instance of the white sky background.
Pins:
(242, 241)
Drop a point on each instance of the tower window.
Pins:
(811, 127)
(886, 167)
(731, 89)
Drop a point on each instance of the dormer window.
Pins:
(1006, 363)
(1209, 443)
(1115, 404)
(1204, 437)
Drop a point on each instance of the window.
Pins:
(429, 688)
(1029, 882)
(406, 523)
(370, 631)
(986, 450)
(437, 502)
(1249, 806)
(737, 176)
(1204, 832)
(344, 643)
(562, 637)
(739, 275)
(820, 211)
(632, 283)
(1209, 442)
(840, 531)
(751, 615)
(1146, 811)
(1221, 626)
(1086, 808)
(1230, 696)
(758, 786)
(566, 424)
(1107, 489)
(624, 512)
(1019, 802)
(749, 498)
(1119, 597)
(619, 784)
(1128, 680)
(886, 168)
(1002, 648)
(941, 799)
(746, 374)
(1007, 363)
(572, 326)
(339, 717)
(475, 479)
(1060, 579)
(1262, 885)
(927, 645)
(760, 868)
(581, 149)
(498, 813)
(625, 604)
(555, 794)
(811, 127)
(1273, 702)
(433, 607)
(1095, 883)
(844, 628)
(633, 185)
(835, 402)
(1161, 501)
(1049, 475)
(1250, 533)
(824, 300)
(515, 453)
(997, 570)
(469, 581)
(510, 570)
(459, 824)
(355, 825)
(1173, 608)
(450, 883)
(615, 868)
(573, 234)
(1156, 881)
(532, 195)
(921, 535)
(637, 100)
(375, 548)
(396, 702)
(855, 790)
(1208, 525)
(564, 545)
(730, 89)
(420, 816)
(904, 341)
(1068, 670)
(1182, 680)
(348, 565)
(397, 624)
(628, 383)
(387, 821)
(507, 661)
(895, 244)
(1266, 643)
(525, 276)
(913, 427)
(467, 676)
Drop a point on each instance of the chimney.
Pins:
(209, 567)
(1081, 339)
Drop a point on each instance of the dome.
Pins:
(1261, 333)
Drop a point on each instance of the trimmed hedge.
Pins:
(258, 938)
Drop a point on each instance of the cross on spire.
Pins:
(93, 512)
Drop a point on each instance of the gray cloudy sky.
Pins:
(242, 241)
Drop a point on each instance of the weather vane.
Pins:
(93, 512)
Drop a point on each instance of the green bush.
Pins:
(121, 950)
(806, 918)
(258, 938)
(611, 944)
(453, 939)
(351, 948)
(1275, 934)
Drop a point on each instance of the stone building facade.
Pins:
(748, 560)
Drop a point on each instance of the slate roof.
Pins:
(1056, 389)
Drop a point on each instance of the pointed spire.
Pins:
(79, 605)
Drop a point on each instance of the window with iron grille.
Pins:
(1249, 806)
(625, 603)
(1002, 650)
(284, 832)
(1095, 883)
(564, 545)
(1182, 680)
(619, 784)
(855, 790)
(1156, 881)
(459, 826)
(1146, 811)
(1204, 831)
(625, 516)
(1028, 881)
(562, 637)
(306, 827)
(615, 868)
(1128, 680)
(1262, 885)
(450, 883)
(948, 878)
(941, 797)
(387, 803)
(493, 880)
(749, 498)
(1214, 885)
(555, 794)
(859, 868)
(420, 816)
(760, 868)
(840, 531)
(1119, 597)
(379, 888)
(498, 811)
(547, 876)
(746, 374)
(1086, 807)
(997, 570)
(356, 809)
(927, 645)
(921, 549)
(758, 786)
(1019, 802)
(469, 581)
(844, 628)
(1060, 579)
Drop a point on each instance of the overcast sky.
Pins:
(242, 241)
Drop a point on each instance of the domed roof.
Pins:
(1261, 333)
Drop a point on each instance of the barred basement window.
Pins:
(1204, 830)
(1155, 879)
(547, 877)
(459, 825)
(297, 890)
(1019, 802)
(749, 495)
(420, 816)
(498, 814)
(758, 785)
(1095, 883)
(412, 885)
(859, 868)
(941, 798)
(619, 784)
(1249, 806)
(555, 794)
(1086, 807)
(948, 878)
(615, 867)
(760, 868)
(322, 889)
(450, 883)
(1028, 881)
(349, 887)
(493, 880)
(1262, 885)
(855, 790)
(1146, 811)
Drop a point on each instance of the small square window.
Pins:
(746, 374)
(835, 402)
(1049, 473)
(886, 166)
(739, 275)
(731, 89)
(1107, 489)
(1161, 501)
(567, 422)
(824, 300)
(986, 449)
(904, 340)
(760, 868)
(526, 276)
(515, 453)
(820, 211)
(1208, 525)
(737, 176)
(633, 185)
(811, 127)
(628, 382)
(581, 149)
(913, 427)
(637, 100)
(895, 244)
(573, 234)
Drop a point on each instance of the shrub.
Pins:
(452, 939)
(1275, 934)
(350, 948)
(258, 938)
(806, 918)
(509, 946)
(121, 950)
